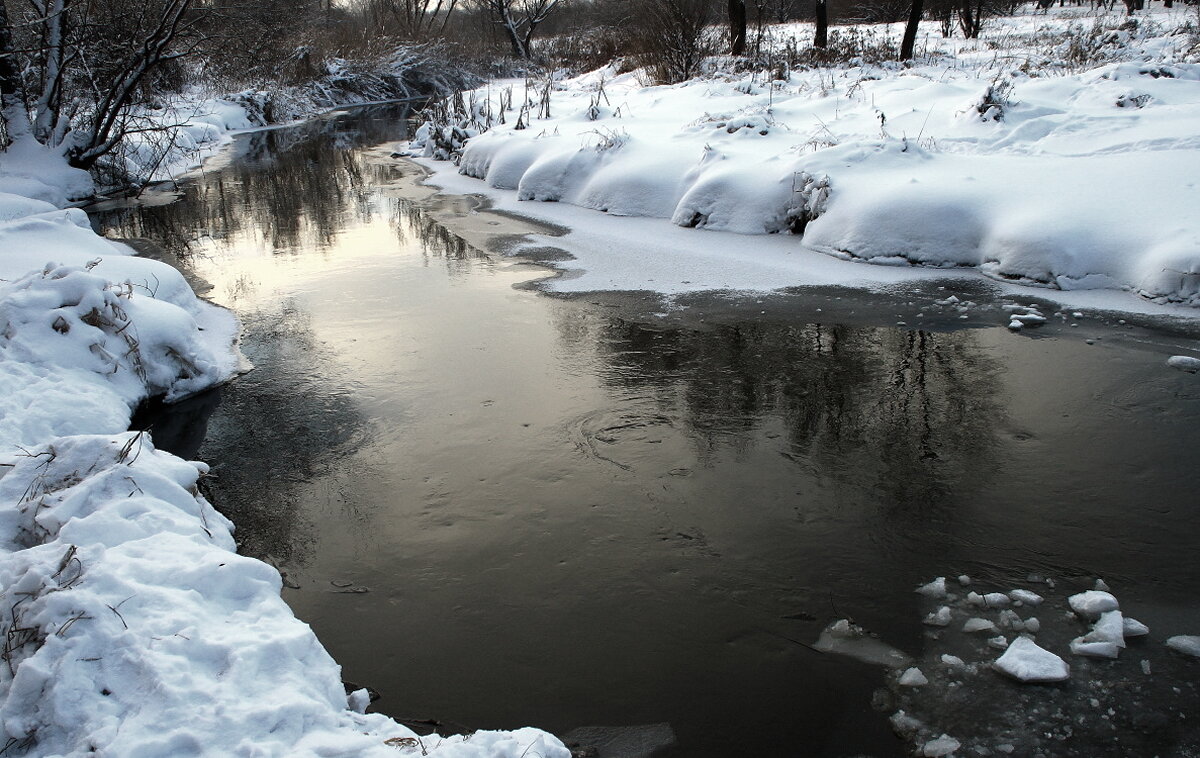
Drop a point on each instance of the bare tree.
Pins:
(78, 68)
(821, 35)
(737, 27)
(519, 19)
(910, 30)
(413, 19)
(674, 38)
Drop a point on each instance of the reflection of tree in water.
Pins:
(292, 188)
(909, 414)
(436, 241)
(279, 427)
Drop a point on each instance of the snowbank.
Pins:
(1057, 151)
(131, 626)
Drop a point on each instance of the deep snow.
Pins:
(1058, 150)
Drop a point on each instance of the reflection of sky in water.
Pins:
(572, 512)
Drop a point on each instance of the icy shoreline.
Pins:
(132, 627)
(1011, 155)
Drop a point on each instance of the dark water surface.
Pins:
(501, 508)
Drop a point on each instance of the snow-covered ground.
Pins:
(131, 627)
(1058, 150)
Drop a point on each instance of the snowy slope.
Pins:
(1058, 150)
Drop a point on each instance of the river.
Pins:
(500, 507)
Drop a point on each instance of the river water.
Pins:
(499, 507)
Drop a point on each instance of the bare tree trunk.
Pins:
(12, 90)
(821, 37)
(46, 110)
(737, 27)
(910, 30)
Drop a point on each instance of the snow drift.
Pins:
(1010, 154)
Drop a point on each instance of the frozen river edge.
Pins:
(132, 626)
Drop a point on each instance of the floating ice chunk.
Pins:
(935, 589)
(990, 600)
(1033, 626)
(913, 677)
(953, 661)
(1029, 319)
(843, 638)
(964, 580)
(1015, 324)
(1025, 597)
(1146, 667)
(1010, 620)
(1184, 363)
(1134, 628)
(1188, 644)
(905, 724)
(1026, 662)
(1092, 603)
(1081, 646)
(979, 625)
(1101, 585)
(998, 642)
(940, 617)
(1076, 314)
(1109, 628)
(942, 746)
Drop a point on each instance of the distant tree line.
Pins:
(74, 74)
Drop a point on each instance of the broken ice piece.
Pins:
(905, 724)
(1029, 319)
(1033, 626)
(1015, 324)
(935, 589)
(942, 746)
(1092, 603)
(1146, 667)
(964, 580)
(912, 678)
(953, 661)
(1102, 586)
(990, 600)
(1026, 597)
(1026, 662)
(1109, 628)
(1010, 620)
(998, 642)
(1081, 646)
(847, 639)
(979, 625)
(1133, 627)
(940, 617)
(1188, 644)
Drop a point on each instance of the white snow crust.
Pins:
(132, 627)
(996, 154)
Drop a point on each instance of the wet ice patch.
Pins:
(844, 638)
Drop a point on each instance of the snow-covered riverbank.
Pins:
(1058, 150)
(131, 626)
